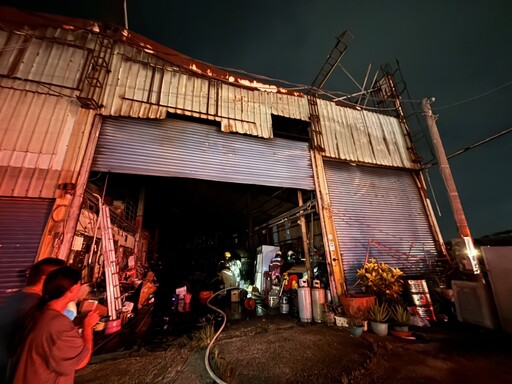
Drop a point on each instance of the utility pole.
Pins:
(125, 9)
(453, 195)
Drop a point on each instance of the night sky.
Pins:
(451, 50)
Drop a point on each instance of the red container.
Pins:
(357, 304)
(112, 326)
(204, 296)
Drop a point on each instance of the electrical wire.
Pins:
(475, 97)
(433, 192)
(472, 146)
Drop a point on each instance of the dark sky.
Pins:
(452, 50)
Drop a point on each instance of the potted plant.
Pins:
(340, 316)
(381, 280)
(354, 303)
(355, 325)
(329, 314)
(402, 317)
(379, 314)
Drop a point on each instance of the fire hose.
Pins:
(207, 355)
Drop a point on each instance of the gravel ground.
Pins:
(279, 349)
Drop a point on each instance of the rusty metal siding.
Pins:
(383, 205)
(176, 148)
(145, 87)
(41, 142)
(54, 57)
(142, 86)
(363, 136)
(21, 225)
(243, 111)
(41, 138)
(295, 107)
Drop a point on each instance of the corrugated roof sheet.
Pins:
(40, 143)
(14, 18)
(363, 136)
(148, 80)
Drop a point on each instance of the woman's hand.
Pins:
(91, 319)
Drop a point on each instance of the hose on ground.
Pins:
(207, 355)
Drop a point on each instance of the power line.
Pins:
(477, 144)
(475, 97)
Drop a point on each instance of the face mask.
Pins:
(70, 310)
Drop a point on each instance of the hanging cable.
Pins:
(477, 144)
(433, 193)
(475, 97)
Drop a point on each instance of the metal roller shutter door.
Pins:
(177, 148)
(383, 205)
(22, 223)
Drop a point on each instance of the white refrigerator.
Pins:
(264, 254)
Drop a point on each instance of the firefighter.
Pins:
(233, 265)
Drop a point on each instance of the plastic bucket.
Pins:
(250, 304)
(204, 296)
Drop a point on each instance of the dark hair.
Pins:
(59, 281)
(42, 268)
(222, 266)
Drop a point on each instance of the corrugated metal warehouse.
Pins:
(192, 161)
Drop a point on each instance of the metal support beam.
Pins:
(304, 231)
(332, 251)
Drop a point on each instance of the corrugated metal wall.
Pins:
(178, 148)
(382, 205)
(42, 128)
(18, 248)
(145, 87)
(363, 136)
(42, 141)
(34, 138)
(53, 57)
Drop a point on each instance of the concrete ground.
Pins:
(277, 348)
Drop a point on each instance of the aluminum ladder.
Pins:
(114, 300)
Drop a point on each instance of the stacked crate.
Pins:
(421, 299)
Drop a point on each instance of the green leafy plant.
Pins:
(381, 280)
(400, 314)
(379, 312)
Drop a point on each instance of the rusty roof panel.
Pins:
(148, 80)
(363, 136)
(13, 18)
(50, 57)
(243, 111)
(41, 144)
